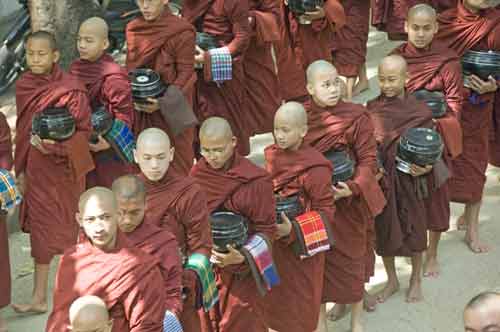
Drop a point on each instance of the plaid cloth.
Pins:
(201, 265)
(122, 140)
(257, 251)
(221, 64)
(9, 194)
(313, 233)
(171, 323)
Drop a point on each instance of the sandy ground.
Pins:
(463, 274)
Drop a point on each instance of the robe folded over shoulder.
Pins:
(5, 163)
(349, 42)
(108, 85)
(227, 21)
(167, 46)
(126, 279)
(178, 204)
(306, 173)
(162, 245)
(54, 181)
(244, 189)
(401, 228)
(462, 30)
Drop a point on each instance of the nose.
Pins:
(154, 164)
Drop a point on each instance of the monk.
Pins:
(163, 42)
(130, 195)
(435, 67)
(89, 313)
(349, 46)
(401, 227)
(177, 204)
(482, 313)
(337, 125)
(296, 169)
(234, 184)
(109, 87)
(51, 173)
(479, 29)
(107, 265)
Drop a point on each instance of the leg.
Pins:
(369, 302)
(350, 87)
(356, 315)
(461, 226)
(3, 324)
(321, 327)
(392, 285)
(471, 215)
(338, 311)
(431, 265)
(414, 293)
(38, 303)
(363, 83)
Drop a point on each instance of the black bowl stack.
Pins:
(291, 205)
(300, 7)
(55, 123)
(206, 41)
(102, 121)
(435, 101)
(343, 165)
(228, 228)
(146, 83)
(481, 63)
(419, 146)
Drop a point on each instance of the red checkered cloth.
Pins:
(313, 234)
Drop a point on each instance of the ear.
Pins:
(136, 157)
(57, 56)
(106, 44)
(406, 26)
(165, 2)
(79, 219)
(304, 130)
(172, 153)
(436, 27)
(310, 88)
(234, 141)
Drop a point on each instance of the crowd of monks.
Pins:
(125, 230)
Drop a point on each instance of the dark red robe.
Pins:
(348, 127)
(125, 278)
(349, 42)
(166, 46)
(306, 173)
(401, 227)
(462, 30)
(227, 20)
(5, 163)
(177, 204)
(55, 181)
(108, 85)
(244, 189)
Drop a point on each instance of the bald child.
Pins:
(482, 313)
(108, 87)
(297, 170)
(89, 313)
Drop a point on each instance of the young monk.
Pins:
(165, 43)
(51, 173)
(472, 25)
(108, 85)
(234, 184)
(177, 204)
(349, 46)
(336, 125)
(434, 67)
(107, 265)
(89, 313)
(401, 227)
(296, 169)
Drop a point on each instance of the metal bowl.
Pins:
(54, 123)
(102, 121)
(228, 228)
(343, 165)
(146, 83)
(481, 63)
(291, 205)
(419, 146)
(435, 101)
(206, 41)
(301, 7)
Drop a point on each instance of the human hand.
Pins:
(318, 14)
(341, 190)
(416, 170)
(152, 105)
(284, 228)
(480, 86)
(37, 143)
(199, 57)
(101, 145)
(233, 257)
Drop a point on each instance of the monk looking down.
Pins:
(482, 313)
(89, 313)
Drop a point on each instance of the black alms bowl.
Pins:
(102, 121)
(435, 101)
(228, 228)
(291, 205)
(146, 83)
(343, 165)
(419, 146)
(481, 63)
(55, 123)
(302, 6)
(206, 41)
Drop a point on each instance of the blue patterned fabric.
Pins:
(171, 323)
(221, 64)
(9, 194)
(122, 140)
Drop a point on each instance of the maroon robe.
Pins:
(166, 46)
(401, 227)
(177, 204)
(5, 163)
(227, 20)
(244, 189)
(162, 245)
(462, 30)
(349, 42)
(348, 127)
(306, 173)
(55, 181)
(108, 85)
(125, 278)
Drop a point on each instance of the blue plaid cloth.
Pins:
(9, 194)
(122, 140)
(221, 64)
(171, 323)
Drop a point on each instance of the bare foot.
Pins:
(338, 311)
(357, 327)
(476, 246)
(431, 267)
(461, 226)
(414, 293)
(389, 290)
(360, 87)
(31, 308)
(369, 302)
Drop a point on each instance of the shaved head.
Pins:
(392, 62)
(392, 74)
(317, 67)
(217, 142)
(88, 313)
(97, 193)
(294, 112)
(129, 187)
(45, 36)
(216, 127)
(154, 153)
(150, 135)
(96, 26)
(482, 313)
(290, 126)
(421, 10)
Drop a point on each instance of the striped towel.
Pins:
(221, 64)
(171, 322)
(9, 194)
(313, 234)
(122, 140)
(257, 251)
(201, 265)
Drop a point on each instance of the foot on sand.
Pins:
(414, 293)
(357, 327)
(32, 308)
(338, 311)
(431, 267)
(476, 246)
(389, 290)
